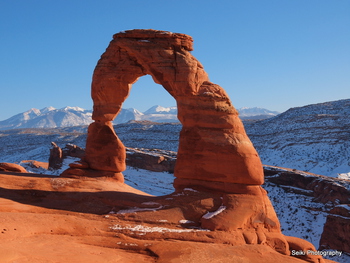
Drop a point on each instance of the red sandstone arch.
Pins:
(214, 150)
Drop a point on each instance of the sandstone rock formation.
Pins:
(149, 159)
(212, 132)
(12, 167)
(72, 151)
(215, 154)
(152, 160)
(57, 154)
(35, 164)
(56, 158)
(55, 219)
(336, 230)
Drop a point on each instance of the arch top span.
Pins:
(131, 54)
(165, 37)
(214, 150)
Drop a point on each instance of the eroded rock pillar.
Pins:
(104, 150)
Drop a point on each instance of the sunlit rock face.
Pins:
(215, 154)
(12, 167)
(214, 150)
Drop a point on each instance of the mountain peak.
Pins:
(48, 117)
(47, 109)
(157, 109)
(135, 111)
(68, 108)
(255, 111)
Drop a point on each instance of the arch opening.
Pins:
(145, 93)
(159, 140)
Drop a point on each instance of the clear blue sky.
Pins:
(271, 54)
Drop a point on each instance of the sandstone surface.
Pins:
(55, 219)
(12, 167)
(35, 164)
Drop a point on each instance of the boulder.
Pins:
(152, 160)
(12, 167)
(36, 164)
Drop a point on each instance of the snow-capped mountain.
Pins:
(126, 115)
(161, 114)
(313, 138)
(48, 117)
(161, 110)
(256, 113)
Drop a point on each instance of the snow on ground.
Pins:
(154, 183)
(295, 215)
(136, 209)
(300, 217)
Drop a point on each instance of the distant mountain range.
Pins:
(256, 113)
(313, 138)
(50, 117)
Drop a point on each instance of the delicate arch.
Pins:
(214, 150)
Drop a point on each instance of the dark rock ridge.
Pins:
(149, 159)
(324, 189)
(57, 154)
(153, 160)
(336, 229)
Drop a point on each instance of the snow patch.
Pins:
(150, 203)
(138, 209)
(345, 176)
(190, 189)
(184, 221)
(209, 215)
(149, 229)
